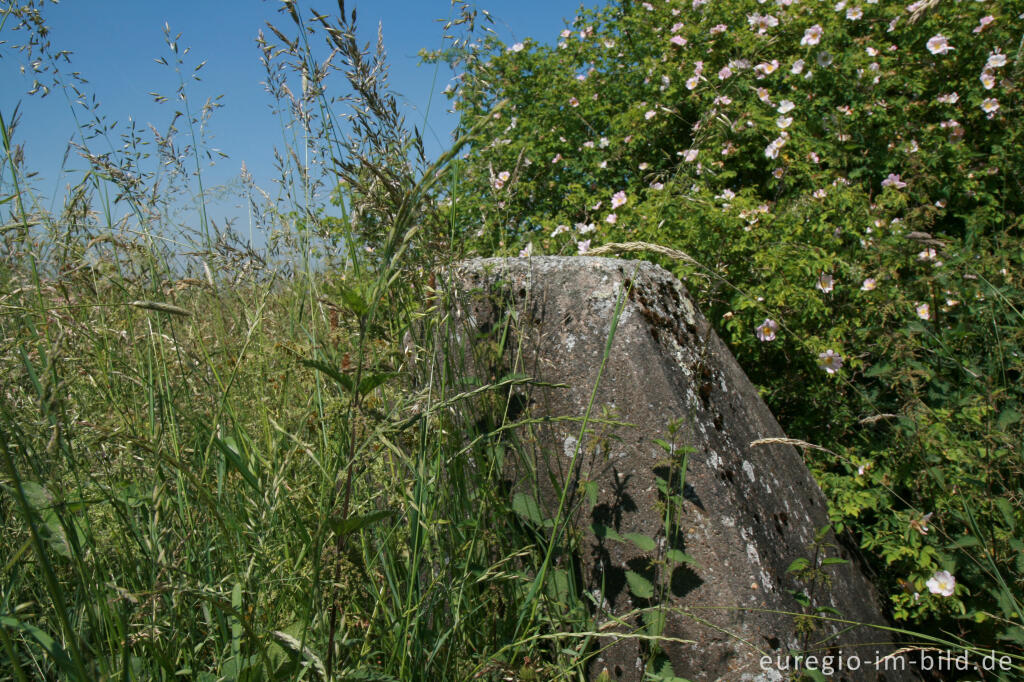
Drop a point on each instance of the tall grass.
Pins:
(225, 463)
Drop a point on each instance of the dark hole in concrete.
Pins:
(781, 521)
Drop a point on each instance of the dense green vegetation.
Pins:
(848, 178)
(224, 462)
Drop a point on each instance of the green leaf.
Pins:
(663, 486)
(644, 543)
(235, 663)
(38, 496)
(131, 495)
(526, 506)
(831, 561)
(1007, 418)
(1006, 509)
(559, 584)
(878, 369)
(604, 532)
(342, 380)
(798, 565)
(655, 622)
(229, 448)
(964, 542)
(353, 300)
(801, 597)
(368, 383)
(680, 557)
(287, 640)
(51, 530)
(660, 668)
(640, 586)
(1013, 634)
(51, 646)
(342, 527)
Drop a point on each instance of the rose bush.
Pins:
(850, 178)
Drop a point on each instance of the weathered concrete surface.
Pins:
(745, 513)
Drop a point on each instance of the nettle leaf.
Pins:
(680, 557)
(1014, 634)
(965, 542)
(644, 543)
(878, 369)
(639, 585)
(526, 506)
(559, 584)
(353, 300)
(655, 622)
(50, 529)
(1007, 418)
(605, 532)
(368, 383)
(1007, 510)
(801, 597)
(664, 445)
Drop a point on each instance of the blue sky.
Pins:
(115, 43)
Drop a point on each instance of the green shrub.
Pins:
(848, 177)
